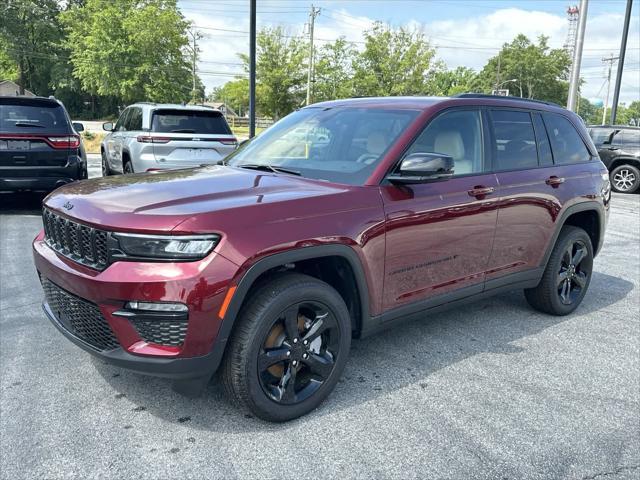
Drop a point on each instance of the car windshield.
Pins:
(341, 144)
(189, 121)
(40, 116)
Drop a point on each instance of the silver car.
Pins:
(153, 136)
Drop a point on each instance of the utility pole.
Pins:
(312, 18)
(610, 60)
(195, 36)
(252, 68)
(623, 47)
(574, 82)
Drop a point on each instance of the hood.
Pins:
(161, 201)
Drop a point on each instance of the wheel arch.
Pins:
(348, 279)
(616, 162)
(590, 216)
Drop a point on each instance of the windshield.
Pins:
(341, 145)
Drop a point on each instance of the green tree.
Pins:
(628, 115)
(452, 82)
(393, 62)
(280, 72)
(29, 42)
(334, 71)
(536, 70)
(235, 94)
(130, 49)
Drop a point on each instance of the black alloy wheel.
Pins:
(567, 275)
(298, 353)
(574, 272)
(288, 347)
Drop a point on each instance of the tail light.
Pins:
(150, 139)
(69, 141)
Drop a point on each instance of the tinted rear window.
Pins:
(515, 140)
(566, 143)
(186, 121)
(39, 117)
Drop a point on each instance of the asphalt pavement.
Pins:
(494, 390)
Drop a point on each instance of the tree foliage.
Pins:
(235, 94)
(536, 70)
(394, 62)
(131, 49)
(334, 71)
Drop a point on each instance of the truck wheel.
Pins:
(567, 275)
(625, 179)
(288, 348)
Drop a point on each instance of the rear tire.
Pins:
(288, 348)
(567, 276)
(625, 179)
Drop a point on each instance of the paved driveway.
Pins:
(493, 390)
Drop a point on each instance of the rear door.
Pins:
(34, 137)
(184, 138)
(541, 162)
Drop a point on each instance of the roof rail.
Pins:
(502, 97)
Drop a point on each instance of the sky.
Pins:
(464, 32)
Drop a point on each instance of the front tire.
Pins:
(288, 348)
(106, 171)
(625, 179)
(567, 276)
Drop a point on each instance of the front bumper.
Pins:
(200, 285)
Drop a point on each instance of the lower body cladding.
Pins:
(158, 319)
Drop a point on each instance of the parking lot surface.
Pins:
(492, 390)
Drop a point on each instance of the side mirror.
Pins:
(423, 167)
(108, 126)
(78, 127)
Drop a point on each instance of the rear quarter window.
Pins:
(566, 143)
(41, 117)
(189, 121)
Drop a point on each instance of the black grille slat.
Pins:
(78, 242)
(162, 332)
(82, 318)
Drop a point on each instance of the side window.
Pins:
(566, 144)
(630, 138)
(134, 122)
(457, 133)
(121, 124)
(544, 149)
(515, 140)
(601, 136)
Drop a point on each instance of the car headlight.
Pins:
(164, 247)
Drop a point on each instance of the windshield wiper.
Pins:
(25, 124)
(268, 168)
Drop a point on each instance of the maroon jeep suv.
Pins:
(342, 219)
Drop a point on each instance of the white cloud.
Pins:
(466, 42)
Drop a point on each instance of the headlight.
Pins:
(168, 247)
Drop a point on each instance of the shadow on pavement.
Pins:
(405, 355)
(21, 203)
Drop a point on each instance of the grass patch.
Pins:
(92, 141)
(244, 131)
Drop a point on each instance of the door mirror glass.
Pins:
(423, 167)
(108, 126)
(78, 127)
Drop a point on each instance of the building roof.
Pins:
(9, 84)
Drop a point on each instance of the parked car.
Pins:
(269, 264)
(40, 148)
(619, 149)
(152, 136)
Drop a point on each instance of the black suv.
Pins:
(40, 148)
(619, 149)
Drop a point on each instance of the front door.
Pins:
(440, 234)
